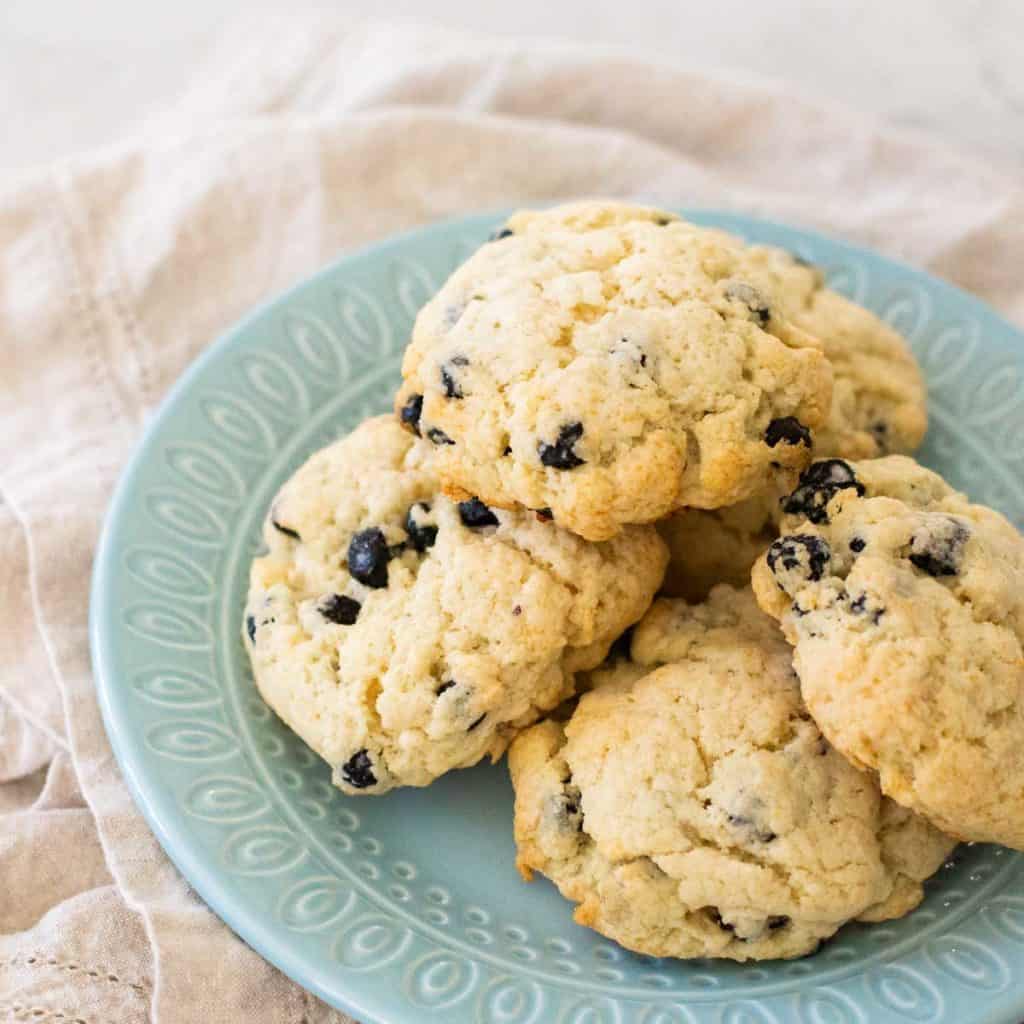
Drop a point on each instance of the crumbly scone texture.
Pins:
(402, 635)
(879, 398)
(698, 811)
(879, 407)
(710, 546)
(610, 363)
(905, 604)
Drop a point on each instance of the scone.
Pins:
(608, 363)
(879, 407)
(905, 604)
(709, 546)
(402, 635)
(698, 811)
(879, 398)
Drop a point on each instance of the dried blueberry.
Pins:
(286, 530)
(819, 483)
(250, 628)
(357, 771)
(499, 233)
(472, 725)
(762, 835)
(545, 515)
(568, 807)
(475, 514)
(445, 686)
(739, 291)
(435, 435)
(368, 556)
(411, 413)
(939, 549)
(560, 455)
(448, 382)
(422, 533)
(787, 429)
(797, 559)
(858, 544)
(861, 606)
(777, 921)
(339, 608)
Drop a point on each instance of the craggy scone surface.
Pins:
(402, 635)
(879, 398)
(610, 363)
(698, 811)
(905, 604)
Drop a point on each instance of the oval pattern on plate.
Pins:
(189, 740)
(263, 850)
(907, 992)
(226, 799)
(316, 903)
(177, 688)
(167, 573)
(410, 907)
(206, 470)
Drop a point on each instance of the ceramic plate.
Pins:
(408, 907)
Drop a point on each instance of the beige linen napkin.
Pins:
(304, 139)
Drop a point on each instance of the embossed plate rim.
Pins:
(159, 808)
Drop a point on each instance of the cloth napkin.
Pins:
(304, 138)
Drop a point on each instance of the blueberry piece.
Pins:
(777, 921)
(250, 628)
(448, 382)
(368, 556)
(475, 514)
(445, 686)
(422, 534)
(797, 559)
(508, 450)
(339, 608)
(545, 515)
(762, 835)
(286, 530)
(435, 435)
(858, 544)
(819, 483)
(499, 233)
(560, 455)
(938, 550)
(474, 724)
(411, 412)
(357, 771)
(860, 606)
(739, 291)
(568, 807)
(789, 430)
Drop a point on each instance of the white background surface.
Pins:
(79, 73)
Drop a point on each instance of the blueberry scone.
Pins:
(607, 363)
(879, 399)
(905, 604)
(698, 811)
(709, 546)
(879, 407)
(401, 634)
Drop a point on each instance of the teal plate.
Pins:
(408, 907)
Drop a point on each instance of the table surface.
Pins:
(951, 67)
